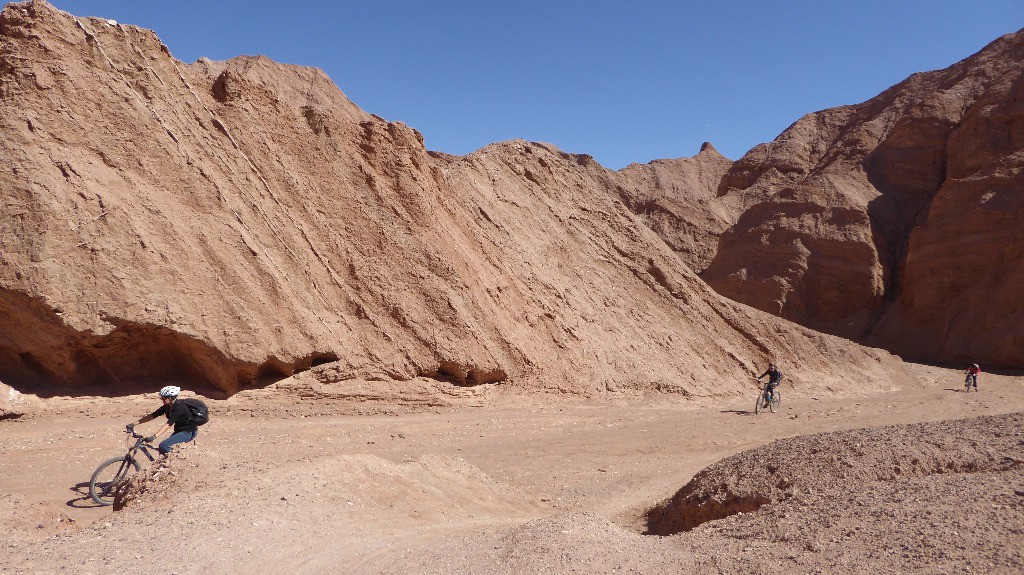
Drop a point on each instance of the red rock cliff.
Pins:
(895, 222)
(222, 222)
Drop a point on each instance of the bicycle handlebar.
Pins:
(146, 438)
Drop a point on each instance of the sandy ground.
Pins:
(509, 485)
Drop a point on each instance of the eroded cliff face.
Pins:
(895, 222)
(678, 200)
(961, 289)
(221, 223)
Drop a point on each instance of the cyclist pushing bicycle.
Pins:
(774, 379)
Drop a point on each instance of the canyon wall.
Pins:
(895, 222)
(225, 224)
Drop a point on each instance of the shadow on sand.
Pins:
(85, 501)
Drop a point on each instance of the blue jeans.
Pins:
(176, 438)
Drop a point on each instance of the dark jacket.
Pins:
(180, 415)
(774, 377)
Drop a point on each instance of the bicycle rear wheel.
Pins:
(108, 476)
(776, 400)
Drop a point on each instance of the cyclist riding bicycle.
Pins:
(178, 414)
(774, 379)
(972, 376)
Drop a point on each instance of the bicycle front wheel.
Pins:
(759, 405)
(776, 400)
(108, 476)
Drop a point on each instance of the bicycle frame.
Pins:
(140, 445)
(762, 398)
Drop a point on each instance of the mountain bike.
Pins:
(762, 399)
(113, 472)
(969, 380)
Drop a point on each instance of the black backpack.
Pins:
(200, 414)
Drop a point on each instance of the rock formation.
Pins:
(14, 404)
(220, 223)
(895, 222)
(678, 199)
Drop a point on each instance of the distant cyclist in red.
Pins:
(972, 376)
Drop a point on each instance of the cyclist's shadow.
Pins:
(738, 411)
(85, 501)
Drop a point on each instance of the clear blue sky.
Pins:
(625, 81)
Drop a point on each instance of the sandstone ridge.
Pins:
(895, 222)
(224, 224)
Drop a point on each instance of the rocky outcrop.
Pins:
(895, 222)
(14, 404)
(222, 223)
(678, 200)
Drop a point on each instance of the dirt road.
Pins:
(514, 484)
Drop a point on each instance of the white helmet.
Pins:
(170, 391)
